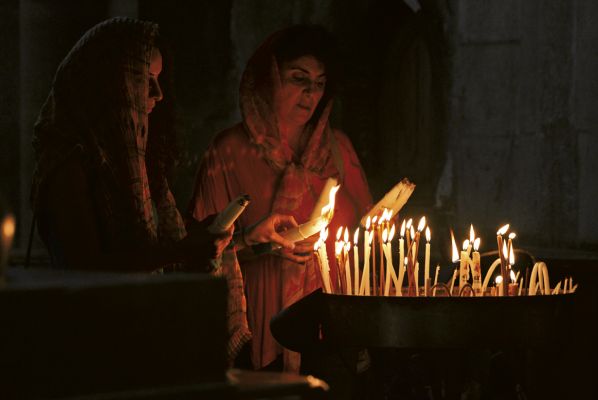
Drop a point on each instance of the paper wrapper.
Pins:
(229, 215)
(394, 200)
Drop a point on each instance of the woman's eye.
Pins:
(298, 79)
(321, 85)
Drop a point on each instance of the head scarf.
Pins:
(259, 83)
(97, 106)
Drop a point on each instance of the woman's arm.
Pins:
(75, 231)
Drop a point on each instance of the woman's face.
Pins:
(303, 81)
(155, 92)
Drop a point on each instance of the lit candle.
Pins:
(476, 272)
(356, 261)
(374, 264)
(454, 258)
(338, 253)
(346, 248)
(324, 259)
(503, 262)
(408, 232)
(427, 263)
(489, 273)
(499, 284)
(463, 266)
(401, 259)
(7, 233)
(513, 285)
(365, 285)
(387, 280)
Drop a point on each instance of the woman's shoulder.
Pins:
(343, 140)
(230, 138)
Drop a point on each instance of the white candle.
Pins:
(356, 261)
(503, 262)
(427, 262)
(416, 274)
(436, 279)
(401, 260)
(498, 281)
(464, 265)
(453, 281)
(489, 273)
(365, 279)
(476, 270)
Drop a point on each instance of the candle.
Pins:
(520, 287)
(227, 217)
(401, 259)
(331, 186)
(427, 263)
(503, 263)
(463, 265)
(495, 264)
(356, 261)
(557, 288)
(499, 284)
(513, 285)
(416, 274)
(346, 248)
(436, 279)
(387, 280)
(7, 233)
(510, 250)
(455, 256)
(365, 279)
(393, 201)
(453, 281)
(312, 226)
(476, 270)
(409, 231)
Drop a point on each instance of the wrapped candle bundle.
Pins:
(229, 215)
(394, 200)
(315, 225)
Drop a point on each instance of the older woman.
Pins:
(281, 154)
(104, 144)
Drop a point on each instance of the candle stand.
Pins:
(533, 328)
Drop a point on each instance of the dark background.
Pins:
(489, 107)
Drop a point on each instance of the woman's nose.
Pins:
(155, 91)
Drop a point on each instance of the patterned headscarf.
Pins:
(97, 106)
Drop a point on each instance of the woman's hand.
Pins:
(267, 231)
(303, 250)
(200, 246)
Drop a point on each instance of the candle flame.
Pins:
(513, 278)
(324, 234)
(412, 232)
(471, 234)
(317, 245)
(368, 222)
(347, 247)
(511, 256)
(422, 224)
(409, 222)
(356, 237)
(476, 244)
(498, 280)
(328, 209)
(391, 234)
(371, 238)
(403, 229)
(503, 229)
(339, 233)
(454, 247)
(428, 234)
(465, 244)
(346, 235)
(389, 215)
(384, 235)
(338, 247)
(512, 235)
(374, 219)
(405, 262)
(8, 226)
(505, 251)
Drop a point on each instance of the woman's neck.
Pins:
(292, 135)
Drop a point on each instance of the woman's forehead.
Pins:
(308, 64)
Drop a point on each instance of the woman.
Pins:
(100, 192)
(281, 155)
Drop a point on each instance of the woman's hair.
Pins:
(313, 40)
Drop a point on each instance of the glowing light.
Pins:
(391, 234)
(503, 230)
(403, 229)
(428, 234)
(422, 224)
(471, 234)
(356, 237)
(476, 244)
(454, 248)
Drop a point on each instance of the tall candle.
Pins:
(416, 274)
(499, 284)
(476, 269)
(365, 286)
(427, 262)
(356, 261)
(374, 264)
(463, 265)
(346, 248)
(436, 279)
(503, 263)
(453, 280)
(401, 260)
